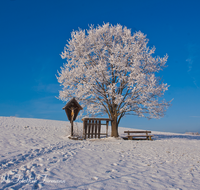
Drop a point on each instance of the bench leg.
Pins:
(130, 138)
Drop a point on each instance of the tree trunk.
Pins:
(114, 125)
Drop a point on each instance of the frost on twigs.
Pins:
(111, 71)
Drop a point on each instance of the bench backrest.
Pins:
(137, 131)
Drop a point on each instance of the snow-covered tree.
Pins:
(111, 71)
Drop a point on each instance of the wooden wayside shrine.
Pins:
(72, 109)
(92, 127)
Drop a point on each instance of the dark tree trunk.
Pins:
(114, 125)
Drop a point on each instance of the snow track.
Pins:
(25, 166)
(33, 155)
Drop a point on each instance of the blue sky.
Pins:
(33, 34)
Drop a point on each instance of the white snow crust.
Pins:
(37, 154)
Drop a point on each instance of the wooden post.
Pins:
(107, 128)
(99, 129)
(72, 128)
(85, 128)
(72, 119)
(129, 138)
(92, 128)
(95, 129)
(89, 128)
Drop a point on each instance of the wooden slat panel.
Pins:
(99, 129)
(85, 125)
(107, 128)
(92, 128)
(83, 129)
(89, 128)
(96, 128)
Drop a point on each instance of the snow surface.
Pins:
(37, 154)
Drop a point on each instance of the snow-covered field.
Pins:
(36, 154)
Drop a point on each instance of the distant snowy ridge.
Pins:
(192, 133)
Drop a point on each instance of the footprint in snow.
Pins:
(36, 150)
(114, 164)
(40, 159)
(94, 178)
(46, 169)
(109, 171)
(53, 162)
(23, 168)
(113, 177)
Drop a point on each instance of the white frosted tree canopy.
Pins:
(111, 71)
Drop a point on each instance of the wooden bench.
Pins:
(144, 136)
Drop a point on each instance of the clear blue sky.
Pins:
(33, 34)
